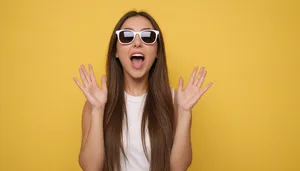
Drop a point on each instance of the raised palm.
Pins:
(94, 94)
(188, 97)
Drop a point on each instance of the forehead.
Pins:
(137, 23)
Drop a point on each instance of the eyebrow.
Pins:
(142, 29)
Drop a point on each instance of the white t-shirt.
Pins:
(132, 139)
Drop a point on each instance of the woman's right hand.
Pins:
(94, 94)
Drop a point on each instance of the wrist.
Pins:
(184, 114)
(98, 111)
(183, 110)
(98, 108)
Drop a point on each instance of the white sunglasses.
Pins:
(128, 36)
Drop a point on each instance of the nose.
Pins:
(137, 41)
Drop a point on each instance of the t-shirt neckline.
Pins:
(134, 98)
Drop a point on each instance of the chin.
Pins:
(137, 74)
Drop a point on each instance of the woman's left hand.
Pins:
(188, 97)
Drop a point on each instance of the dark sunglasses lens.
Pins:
(126, 36)
(148, 36)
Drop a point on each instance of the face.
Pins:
(136, 67)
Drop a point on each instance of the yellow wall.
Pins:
(247, 121)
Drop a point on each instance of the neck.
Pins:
(136, 87)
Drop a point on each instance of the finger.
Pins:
(103, 81)
(198, 95)
(180, 84)
(83, 78)
(88, 78)
(93, 79)
(206, 88)
(199, 84)
(193, 75)
(199, 76)
(78, 83)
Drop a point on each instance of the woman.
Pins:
(136, 122)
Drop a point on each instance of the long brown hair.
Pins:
(158, 110)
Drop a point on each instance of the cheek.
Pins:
(153, 51)
(122, 51)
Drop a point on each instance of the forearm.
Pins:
(181, 154)
(91, 157)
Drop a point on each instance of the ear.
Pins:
(117, 56)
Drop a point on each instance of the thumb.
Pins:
(180, 84)
(103, 81)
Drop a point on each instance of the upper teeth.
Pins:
(137, 54)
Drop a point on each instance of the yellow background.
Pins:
(247, 121)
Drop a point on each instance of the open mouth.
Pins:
(137, 60)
